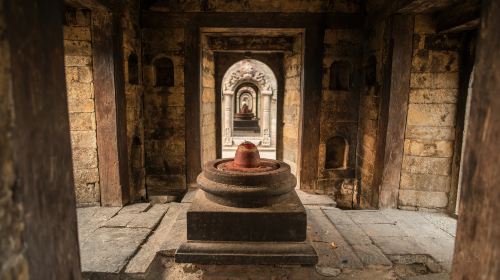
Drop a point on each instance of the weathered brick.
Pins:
(433, 96)
(425, 182)
(82, 121)
(427, 165)
(82, 105)
(84, 158)
(423, 199)
(75, 33)
(435, 61)
(426, 148)
(83, 139)
(77, 60)
(431, 114)
(86, 175)
(430, 133)
(83, 48)
(434, 80)
(77, 90)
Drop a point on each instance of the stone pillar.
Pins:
(228, 109)
(266, 118)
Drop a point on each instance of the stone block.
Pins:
(424, 199)
(77, 60)
(370, 254)
(425, 182)
(86, 193)
(434, 61)
(433, 96)
(429, 133)
(85, 74)
(82, 176)
(382, 230)
(428, 148)
(83, 48)
(431, 114)
(78, 90)
(81, 106)
(353, 234)
(368, 217)
(446, 80)
(84, 158)
(427, 165)
(398, 245)
(82, 121)
(77, 33)
(83, 139)
(424, 24)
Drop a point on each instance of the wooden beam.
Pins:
(152, 19)
(44, 187)
(110, 109)
(309, 133)
(477, 244)
(192, 68)
(461, 17)
(92, 4)
(394, 107)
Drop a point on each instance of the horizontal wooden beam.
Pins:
(461, 17)
(406, 7)
(92, 4)
(153, 19)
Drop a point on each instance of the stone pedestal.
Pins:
(247, 212)
(219, 234)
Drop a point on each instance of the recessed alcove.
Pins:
(371, 71)
(163, 72)
(340, 75)
(336, 153)
(133, 69)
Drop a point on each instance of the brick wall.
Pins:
(291, 104)
(208, 142)
(134, 93)
(430, 129)
(339, 113)
(79, 78)
(164, 121)
(369, 116)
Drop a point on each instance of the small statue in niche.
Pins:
(244, 108)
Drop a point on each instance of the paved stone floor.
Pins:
(138, 242)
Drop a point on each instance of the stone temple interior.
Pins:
(375, 122)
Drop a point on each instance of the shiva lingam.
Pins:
(247, 212)
(245, 120)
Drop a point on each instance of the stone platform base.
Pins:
(293, 253)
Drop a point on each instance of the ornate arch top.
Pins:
(249, 71)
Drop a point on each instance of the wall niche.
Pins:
(163, 72)
(371, 71)
(133, 69)
(340, 75)
(336, 153)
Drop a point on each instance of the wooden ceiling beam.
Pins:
(460, 17)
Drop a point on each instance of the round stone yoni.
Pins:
(247, 180)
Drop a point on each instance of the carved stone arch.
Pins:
(249, 71)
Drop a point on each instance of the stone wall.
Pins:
(339, 114)
(291, 104)
(430, 129)
(208, 130)
(369, 115)
(12, 258)
(164, 121)
(134, 94)
(259, 6)
(79, 77)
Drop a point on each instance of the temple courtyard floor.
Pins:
(138, 241)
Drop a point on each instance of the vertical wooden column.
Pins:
(477, 247)
(110, 109)
(307, 168)
(393, 109)
(41, 140)
(192, 103)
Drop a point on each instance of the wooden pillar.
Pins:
(192, 103)
(110, 109)
(307, 167)
(477, 247)
(393, 109)
(41, 141)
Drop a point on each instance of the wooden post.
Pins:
(477, 244)
(41, 141)
(393, 110)
(110, 109)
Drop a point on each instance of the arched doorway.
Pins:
(249, 107)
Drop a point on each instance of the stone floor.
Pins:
(138, 242)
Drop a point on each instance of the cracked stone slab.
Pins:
(414, 224)
(368, 217)
(398, 245)
(177, 234)
(337, 216)
(147, 219)
(134, 208)
(354, 234)
(315, 199)
(370, 254)
(382, 230)
(141, 262)
(189, 196)
(442, 221)
(91, 218)
(109, 249)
